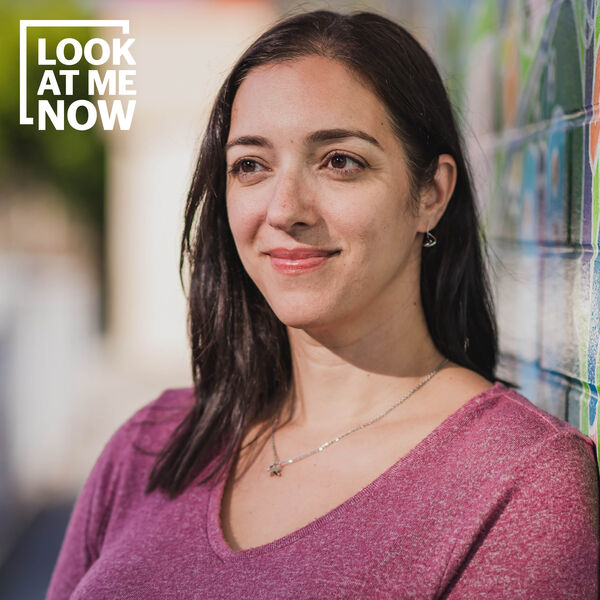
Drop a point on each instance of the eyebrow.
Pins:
(326, 135)
(249, 140)
(317, 137)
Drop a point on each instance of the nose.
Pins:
(291, 204)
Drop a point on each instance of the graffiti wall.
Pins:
(525, 76)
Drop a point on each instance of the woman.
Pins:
(346, 436)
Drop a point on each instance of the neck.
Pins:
(347, 374)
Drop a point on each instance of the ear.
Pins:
(435, 197)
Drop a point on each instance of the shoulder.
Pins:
(506, 407)
(516, 458)
(529, 498)
(496, 408)
(133, 447)
(155, 421)
(114, 490)
(119, 476)
(515, 431)
(168, 405)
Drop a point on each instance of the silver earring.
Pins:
(430, 240)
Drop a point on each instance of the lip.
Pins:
(299, 260)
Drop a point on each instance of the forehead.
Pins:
(304, 95)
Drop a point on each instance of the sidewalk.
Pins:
(26, 572)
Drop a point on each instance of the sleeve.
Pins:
(545, 542)
(84, 533)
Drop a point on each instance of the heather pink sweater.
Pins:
(500, 501)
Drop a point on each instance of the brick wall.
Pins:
(525, 77)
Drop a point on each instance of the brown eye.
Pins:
(339, 161)
(342, 164)
(247, 166)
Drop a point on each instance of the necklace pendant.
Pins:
(275, 470)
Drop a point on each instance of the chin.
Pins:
(303, 314)
(300, 319)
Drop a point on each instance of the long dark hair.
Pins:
(240, 350)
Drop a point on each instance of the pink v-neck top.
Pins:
(499, 501)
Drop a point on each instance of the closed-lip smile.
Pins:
(299, 260)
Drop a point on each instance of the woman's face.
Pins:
(318, 196)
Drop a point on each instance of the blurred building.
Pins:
(86, 340)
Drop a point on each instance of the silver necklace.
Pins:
(277, 466)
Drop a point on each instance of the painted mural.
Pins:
(525, 75)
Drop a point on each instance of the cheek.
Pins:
(380, 237)
(243, 222)
(365, 224)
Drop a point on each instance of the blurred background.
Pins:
(92, 312)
